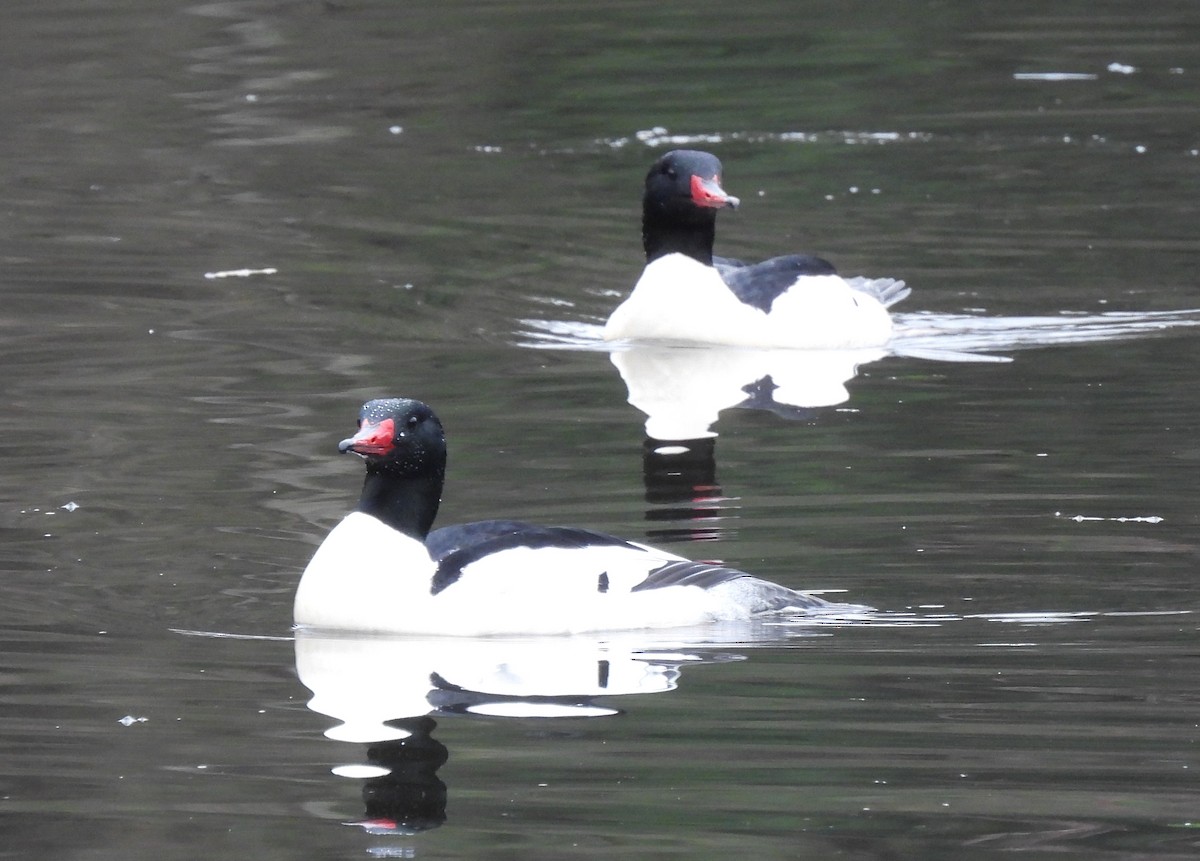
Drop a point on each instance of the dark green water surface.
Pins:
(447, 201)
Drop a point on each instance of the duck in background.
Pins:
(685, 294)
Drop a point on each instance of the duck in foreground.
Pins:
(687, 294)
(382, 570)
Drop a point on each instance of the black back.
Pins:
(760, 284)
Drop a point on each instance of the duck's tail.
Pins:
(888, 291)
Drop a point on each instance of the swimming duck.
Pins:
(384, 569)
(686, 294)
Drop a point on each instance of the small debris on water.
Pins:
(240, 273)
(1054, 76)
(1082, 518)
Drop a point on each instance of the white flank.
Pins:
(368, 577)
(679, 299)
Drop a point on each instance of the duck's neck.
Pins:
(405, 503)
(665, 232)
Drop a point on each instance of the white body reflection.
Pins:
(369, 683)
(384, 692)
(682, 390)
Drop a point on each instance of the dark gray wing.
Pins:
(759, 284)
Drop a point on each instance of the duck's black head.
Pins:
(404, 447)
(679, 207)
(398, 435)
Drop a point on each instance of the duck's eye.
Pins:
(412, 422)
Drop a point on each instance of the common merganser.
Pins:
(687, 294)
(382, 570)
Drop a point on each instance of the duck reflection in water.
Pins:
(409, 797)
(686, 503)
(385, 692)
(683, 390)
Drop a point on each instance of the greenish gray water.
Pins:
(436, 190)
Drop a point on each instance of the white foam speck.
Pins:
(1054, 76)
(240, 273)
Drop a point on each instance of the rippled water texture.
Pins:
(226, 225)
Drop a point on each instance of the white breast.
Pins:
(679, 299)
(365, 576)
